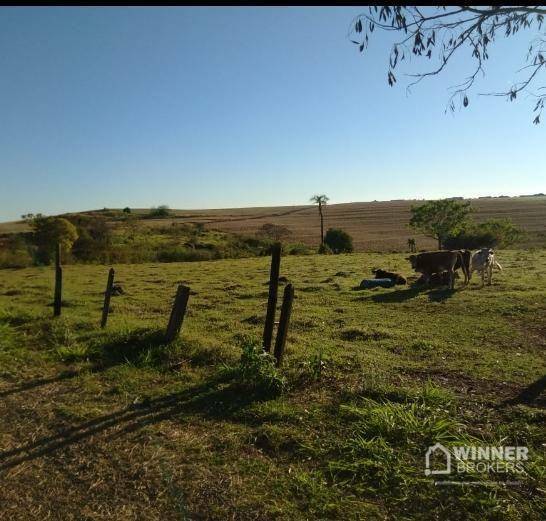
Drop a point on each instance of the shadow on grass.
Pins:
(399, 295)
(441, 294)
(32, 384)
(219, 398)
(139, 347)
(402, 295)
(533, 394)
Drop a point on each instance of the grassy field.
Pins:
(380, 226)
(113, 424)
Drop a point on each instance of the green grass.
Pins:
(116, 424)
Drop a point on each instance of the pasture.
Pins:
(113, 424)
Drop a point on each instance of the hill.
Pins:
(380, 226)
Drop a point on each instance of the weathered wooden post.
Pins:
(284, 322)
(107, 295)
(177, 313)
(57, 299)
(272, 297)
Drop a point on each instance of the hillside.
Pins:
(375, 226)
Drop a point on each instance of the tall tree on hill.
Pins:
(440, 219)
(321, 200)
(439, 33)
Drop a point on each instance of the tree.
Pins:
(321, 200)
(127, 210)
(338, 241)
(440, 219)
(50, 231)
(274, 232)
(442, 32)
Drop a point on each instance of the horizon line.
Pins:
(502, 196)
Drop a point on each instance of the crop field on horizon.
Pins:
(380, 226)
(114, 424)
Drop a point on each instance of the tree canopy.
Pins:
(274, 232)
(439, 33)
(440, 219)
(50, 231)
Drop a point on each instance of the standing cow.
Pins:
(431, 262)
(483, 261)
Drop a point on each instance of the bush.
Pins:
(95, 238)
(160, 211)
(489, 234)
(127, 210)
(324, 249)
(183, 254)
(338, 241)
(15, 258)
(297, 248)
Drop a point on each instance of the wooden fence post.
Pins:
(57, 299)
(107, 295)
(284, 321)
(272, 297)
(177, 313)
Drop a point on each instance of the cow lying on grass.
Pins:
(436, 279)
(483, 261)
(395, 277)
(431, 262)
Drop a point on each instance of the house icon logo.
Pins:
(437, 448)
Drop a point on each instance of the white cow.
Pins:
(483, 261)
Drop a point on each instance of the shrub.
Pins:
(15, 259)
(95, 238)
(14, 252)
(160, 211)
(324, 249)
(297, 248)
(183, 254)
(338, 241)
(127, 210)
(492, 233)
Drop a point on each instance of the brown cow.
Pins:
(395, 277)
(464, 264)
(431, 262)
(436, 279)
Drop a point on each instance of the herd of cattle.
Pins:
(440, 267)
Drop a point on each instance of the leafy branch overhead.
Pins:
(439, 33)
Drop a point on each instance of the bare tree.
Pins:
(321, 200)
(441, 32)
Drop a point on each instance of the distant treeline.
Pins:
(96, 238)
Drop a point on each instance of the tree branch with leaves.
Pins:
(439, 33)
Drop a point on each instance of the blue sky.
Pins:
(229, 107)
